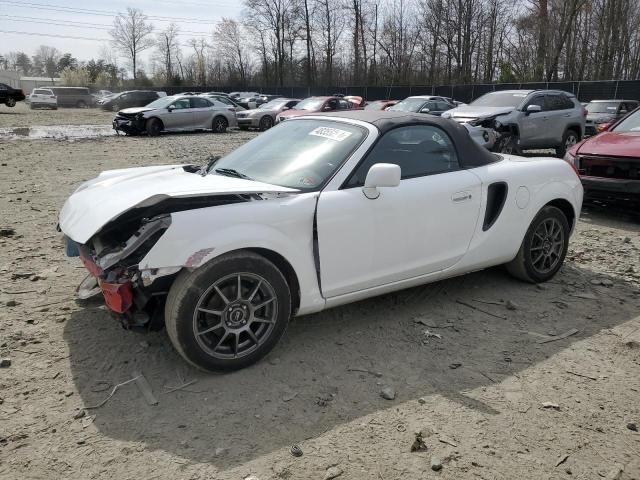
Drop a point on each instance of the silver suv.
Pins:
(526, 119)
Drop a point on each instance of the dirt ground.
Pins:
(468, 359)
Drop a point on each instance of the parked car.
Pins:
(380, 104)
(321, 211)
(237, 95)
(176, 114)
(226, 100)
(10, 96)
(601, 113)
(609, 163)
(42, 98)
(526, 119)
(264, 117)
(130, 98)
(319, 104)
(78, 97)
(423, 104)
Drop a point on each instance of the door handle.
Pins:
(461, 196)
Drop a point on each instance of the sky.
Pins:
(89, 21)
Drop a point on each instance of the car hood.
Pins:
(112, 193)
(293, 113)
(612, 144)
(134, 110)
(600, 117)
(469, 111)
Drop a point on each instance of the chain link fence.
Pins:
(585, 91)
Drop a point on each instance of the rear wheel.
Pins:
(115, 107)
(153, 127)
(569, 139)
(266, 122)
(544, 247)
(219, 125)
(81, 104)
(229, 313)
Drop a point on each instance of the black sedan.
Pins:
(10, 96)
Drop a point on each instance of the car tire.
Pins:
(81, 104)
(115, 107)
(11, 102)
(153, 127)
(266, 123)
(208, 322)
(508, 144)
(543, 248)
(219, 124)
(569, 139)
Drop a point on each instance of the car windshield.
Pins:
(500, 99)
(273, 104)
(629, 124)
(409, 105)
(310, 104)
(162, 102)
(602, 107)
(300, 154)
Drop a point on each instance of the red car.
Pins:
(320, 104)
(380, 104)
(609, 163)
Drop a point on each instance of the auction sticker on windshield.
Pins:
(331, 133)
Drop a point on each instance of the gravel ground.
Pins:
(484, 398)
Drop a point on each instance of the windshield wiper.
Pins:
(211, 161)
(230, 172)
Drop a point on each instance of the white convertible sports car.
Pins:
(320, 211)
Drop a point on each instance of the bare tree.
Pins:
(48, 57)
(168, 50)
(229, 45)
(131, 34)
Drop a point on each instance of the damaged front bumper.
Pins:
(131, 293)
(130, 126)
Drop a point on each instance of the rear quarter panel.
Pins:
(532, 183)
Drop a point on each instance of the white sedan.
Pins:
(320, 211)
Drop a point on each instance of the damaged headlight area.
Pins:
(112, 258)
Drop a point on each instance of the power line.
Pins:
(103, 13)
(87, 25)
(54, 35)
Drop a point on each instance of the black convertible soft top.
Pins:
(470, 154)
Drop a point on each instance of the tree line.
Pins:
(373, 42)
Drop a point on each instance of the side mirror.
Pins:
(171, 108)
(425, 110)
(533, 109)
(327, 108)
(380, 175)
(285, 108)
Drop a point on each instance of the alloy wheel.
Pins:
(570, 141)
(235, 315)
(547, 245)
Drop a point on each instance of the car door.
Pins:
(422, 226)
(178, 115)
(202, 112)
(4, 92)
(561, 114)
(533, 125)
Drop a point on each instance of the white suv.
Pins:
(43, 98)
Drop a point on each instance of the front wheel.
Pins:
(229, 313)
(219, 125)
(266, 122)
(153, 127)
(508, 144)
(11, 102)
(544, 247)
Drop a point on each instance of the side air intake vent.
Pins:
(496, 196)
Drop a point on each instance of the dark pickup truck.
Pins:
(9, 95)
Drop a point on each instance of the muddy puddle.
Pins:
(64, 132)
